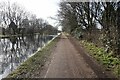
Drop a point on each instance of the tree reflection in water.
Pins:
(15, 50)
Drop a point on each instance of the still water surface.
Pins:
(15, 50)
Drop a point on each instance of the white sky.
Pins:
(42, 8)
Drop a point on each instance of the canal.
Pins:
(15, 50)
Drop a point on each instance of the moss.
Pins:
(34, 63)
(111, 62)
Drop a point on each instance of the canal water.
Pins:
(15, 50)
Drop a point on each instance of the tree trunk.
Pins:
(118, 28)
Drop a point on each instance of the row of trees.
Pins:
(25, 21)
(98, 22)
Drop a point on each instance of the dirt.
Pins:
(68, 60)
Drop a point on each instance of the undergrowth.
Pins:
(109, 60)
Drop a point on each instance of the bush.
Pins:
(108, 59)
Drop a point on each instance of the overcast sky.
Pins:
(42, 8)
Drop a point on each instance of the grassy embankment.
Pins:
(111, 62)
(33, 66)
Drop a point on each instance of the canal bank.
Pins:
(35, 62)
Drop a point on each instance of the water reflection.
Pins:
(15, 50)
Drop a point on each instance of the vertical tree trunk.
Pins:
(118, 27)
(106, 31)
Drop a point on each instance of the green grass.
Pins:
(34, 64)
(110, 62)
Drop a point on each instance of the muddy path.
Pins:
(69, 62)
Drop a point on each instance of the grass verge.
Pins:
(111, 62)
(34, 64)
